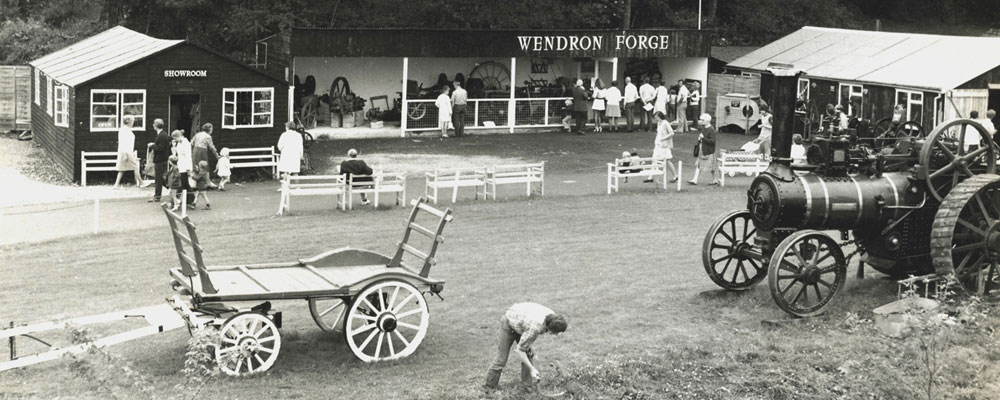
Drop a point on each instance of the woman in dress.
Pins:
(599, 105)
(443, 104)
(291, 147)
(127, 160)
(613, 109)
(202, 146)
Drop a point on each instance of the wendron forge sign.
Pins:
(592, 42)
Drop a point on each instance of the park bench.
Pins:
(376, 183)
(528, 174)
(454, 179)
(313, 185)
(742, 162)
(638, 168)
(95, 161)
(254, 157)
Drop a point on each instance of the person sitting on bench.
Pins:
(355, 166)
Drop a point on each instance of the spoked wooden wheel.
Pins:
(728, 254)
(250, 344)
(806, 271)
(328, 313)
(947, 158)
(965, 238)
(909, 128)
(416, 111)
(386, 321)
(495, 76)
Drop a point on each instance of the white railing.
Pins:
(422, 115)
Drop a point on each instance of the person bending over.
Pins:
(522, 323)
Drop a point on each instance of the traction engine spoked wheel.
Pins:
(328, 313)
(250, 344)
(965, 238)
(728, 249)
(945, 161)
(807, 261)
(386, 321)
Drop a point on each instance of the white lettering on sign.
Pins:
(592, 42)
(185, 73)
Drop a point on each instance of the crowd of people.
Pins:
(637, 105)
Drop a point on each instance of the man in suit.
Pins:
(580, 106)
(161, 152)
(355, 166)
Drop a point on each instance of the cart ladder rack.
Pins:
(189, 237)
(434, 234)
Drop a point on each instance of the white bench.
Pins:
(637, 168)
(94, 161)
(254, 157)
(313, 185)
(742, 162)
(376, 183)
(454, 179)
(528, 174)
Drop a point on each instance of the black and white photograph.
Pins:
(527, 199)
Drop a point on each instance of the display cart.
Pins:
(376, 301)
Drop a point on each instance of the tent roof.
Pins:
(930, 62)
(100, 54)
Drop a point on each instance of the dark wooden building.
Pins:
(934, 77)
(82, 92)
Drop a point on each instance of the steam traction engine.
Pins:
(911, 205)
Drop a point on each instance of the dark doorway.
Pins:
(185, 113)
(994, 104)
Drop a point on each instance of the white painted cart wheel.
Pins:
(328, 313)
(386, 321)
(250, 344)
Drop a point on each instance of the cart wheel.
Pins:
(729, 243)
(328, 313)
(416, 111)
(250, 344)
(803, 262)
(386, 321)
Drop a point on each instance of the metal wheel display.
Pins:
(805, 272)
(965, 238)
(883, 127)
(328, 313)
(495, 76)
(386, 321)
(909, 128)
(416, 111)
(946, 160)
(250, 344)
(728, 255)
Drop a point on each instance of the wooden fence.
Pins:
(15, 98)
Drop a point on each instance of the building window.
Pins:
(247, 108)
(852, 98)
(61, 117)
(803, 92)
(48, 83)
(912, 102)
(749, 74)
(38, 87)
(108, 107)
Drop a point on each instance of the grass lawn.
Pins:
(626, 270)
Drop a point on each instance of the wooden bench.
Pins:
(376, 183)
(454, 179)
(313, 185)
(94, 161)
(528, 174)
(638, 168)
(741, 162)
(254, 157)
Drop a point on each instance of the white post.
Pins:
(680, 173)
(184, 203)
(291, 103)
(97, 213)
(614, 69)
(699, 15)
(403, 113)
(510, 106)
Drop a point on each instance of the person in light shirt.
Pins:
(631, 100)
(127, 160)
(647, 93)
(662, 96)
(798, 150)
(613, 109)
(682, 105)
(522, 323)
(443, 104)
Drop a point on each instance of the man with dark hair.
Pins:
(522, 323)
(647, 93)
(580, 106)
(161, 153)
(459, 99)
(354, 166)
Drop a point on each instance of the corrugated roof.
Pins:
(931, 62)
(99, 54)
(730, 53)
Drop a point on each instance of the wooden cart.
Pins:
(376, 301)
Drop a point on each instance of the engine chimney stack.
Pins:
(786, 84)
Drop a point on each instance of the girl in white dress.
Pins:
(599, 105)
(443, 104)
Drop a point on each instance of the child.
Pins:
(222, 169)
(567, 114)
(200, 178)
(798, 150)
(173, 183)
